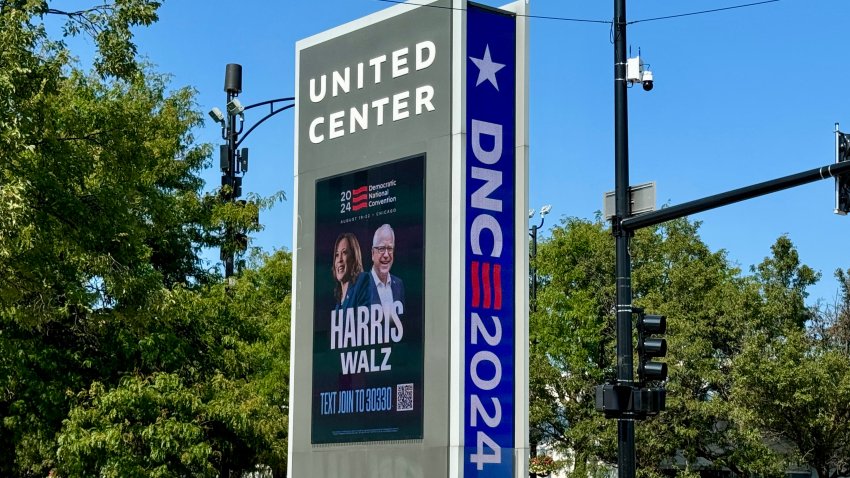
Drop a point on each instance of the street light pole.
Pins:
(534, 267)
(625, 368)
(232, 86)
(234, 161)
(533, 233)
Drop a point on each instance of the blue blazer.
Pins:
(358, 293)
(396, 286)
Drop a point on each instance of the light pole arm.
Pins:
(258, 123)
(230, 133)
(535, 228)
(270, 102)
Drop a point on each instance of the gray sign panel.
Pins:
(369, 94)
(371, 91)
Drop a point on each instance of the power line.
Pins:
(542, 17)
(607, 22)
(702, 12)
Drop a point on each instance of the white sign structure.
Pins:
(409, 354)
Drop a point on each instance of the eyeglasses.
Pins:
(383, 249)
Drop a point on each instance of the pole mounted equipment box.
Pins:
(224, 158)
(634, 69)
(642, 199)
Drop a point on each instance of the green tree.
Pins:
(792, 386)
(783, 280)
(711, 309)
(221, 412)
(794, 390)
(263, 294)
(120, 353)
(571, 341)
(839, 317)
(100, 208)
(831, 323)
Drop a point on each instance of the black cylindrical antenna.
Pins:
(233, 78)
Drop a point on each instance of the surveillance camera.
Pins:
(235, 107)
(647, 80)
(217, 115)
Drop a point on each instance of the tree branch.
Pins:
(82, 17)
(89, 137)
(100, 9)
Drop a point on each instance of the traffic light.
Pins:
(842, 182)
(649, 347)
(627, 401)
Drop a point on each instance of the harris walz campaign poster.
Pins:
(368, 340)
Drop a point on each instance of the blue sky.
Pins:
(741, 96)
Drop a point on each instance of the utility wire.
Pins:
(701, 12)
(582, 20)
(607, 22)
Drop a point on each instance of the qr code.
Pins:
(404, 397)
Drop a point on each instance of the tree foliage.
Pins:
(718, 319)
(121, 354)
(795, 391)
(222, 409)
(571, 341)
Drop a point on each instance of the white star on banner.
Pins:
(487, 68)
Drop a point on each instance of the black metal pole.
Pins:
(232, 86)
(230, 181)
(534, 268)
(735, 195)
(625, 370)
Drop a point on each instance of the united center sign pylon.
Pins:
(410, 327)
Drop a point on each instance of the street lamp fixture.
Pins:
(543, 212)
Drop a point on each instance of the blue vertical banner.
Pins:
(490, 264)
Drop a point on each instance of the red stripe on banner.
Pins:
(360, 190)
(486, 279)
(476, 293)
(357, 207)
(359, 198)
(497, 285)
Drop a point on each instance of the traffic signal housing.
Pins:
(628, 401)
(842, 182)
(649, 347)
